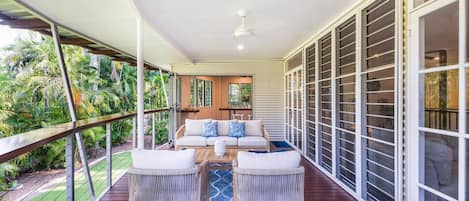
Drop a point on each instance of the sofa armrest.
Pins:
(267, 137)
(180, 132)
(266, 133)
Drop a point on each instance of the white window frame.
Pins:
(413, 80)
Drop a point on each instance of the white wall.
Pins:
(268, 88)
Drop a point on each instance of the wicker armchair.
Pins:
(268, 184)
(169, 185)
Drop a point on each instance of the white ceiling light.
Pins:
(240, 47)
(242, 29)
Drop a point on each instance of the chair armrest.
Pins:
(269, 172)
(161, 172)
(203, 167)
(203, 174)
(235, 163)
(180, 132)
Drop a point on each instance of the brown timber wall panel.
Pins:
(378, 80)
(325, 102)
(345, 79)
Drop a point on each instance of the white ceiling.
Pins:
(112, 22)
(180, 31)
(202, 29)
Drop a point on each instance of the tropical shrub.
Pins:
(32, 97)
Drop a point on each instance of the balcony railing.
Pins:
(446, 119)
(15, 146)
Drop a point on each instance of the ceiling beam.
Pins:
(26, 23)
(75, 41)
(4, 17)
(104, 52)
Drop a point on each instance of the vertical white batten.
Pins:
(333, 102)
(462, 101)
(304, 108)
(358, 102)
(140, 85)
(316, 101)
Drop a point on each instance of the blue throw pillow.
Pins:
(210, 129)
(237, 129)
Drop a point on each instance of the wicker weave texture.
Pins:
(168, 185)
(268, 185)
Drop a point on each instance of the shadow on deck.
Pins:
(318, 187)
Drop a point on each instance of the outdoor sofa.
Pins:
(190, 135)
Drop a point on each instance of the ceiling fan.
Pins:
(242, 30)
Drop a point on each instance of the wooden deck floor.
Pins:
(318, 187)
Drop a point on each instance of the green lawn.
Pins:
(120, 163)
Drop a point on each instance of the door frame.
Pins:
(414, 94)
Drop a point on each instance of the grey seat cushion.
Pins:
(191, 141)
(230, 141)
(252, 141)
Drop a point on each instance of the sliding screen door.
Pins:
(294, 101)
(311, 102)
(325, 102)
(345, 78)
(379, 96)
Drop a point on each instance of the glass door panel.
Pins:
(439, 88)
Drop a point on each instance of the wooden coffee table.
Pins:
(208, 154)
(217, 162)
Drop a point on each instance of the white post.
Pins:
(140, 85)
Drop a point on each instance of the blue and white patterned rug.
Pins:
(221, 185)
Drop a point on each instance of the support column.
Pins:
(140, 85)
(109, 155)
(70, 168)
(73, 115)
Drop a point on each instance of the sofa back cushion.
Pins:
(163, 159)
(254, 128)
(194, 127)
(275, 160)
(223, 127)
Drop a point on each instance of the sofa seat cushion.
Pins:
(163, 159)
(191, 141)
(254, 128)
(276, 160)
(229, 141)
(250, 141)
(194, 127)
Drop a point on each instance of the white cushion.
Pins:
(163, 159)
(275, 160)
(223, 127)
(230, 141)
(254, 128)
(251, 141)
(191, 141)
(194, 127)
